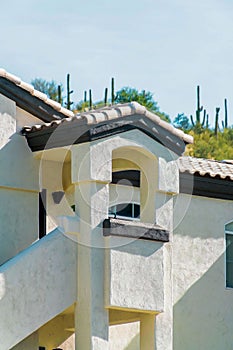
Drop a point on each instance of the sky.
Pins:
(167, 47)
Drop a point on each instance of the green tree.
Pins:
(145, 98)
(181, 121)
(206, 145)
(50, 88)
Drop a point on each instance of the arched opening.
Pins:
(134, 180)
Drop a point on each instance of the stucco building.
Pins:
(110, 238)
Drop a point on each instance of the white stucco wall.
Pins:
(24, 118)
(203, 315)
(121, 337)
(135, 275)
(18, 167)
(125, 336)
(69, 344)
(19, 186)
(19, 221)
(7, 120)
(35, 286)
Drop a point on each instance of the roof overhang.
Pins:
(206, 186)
(30, 99)
(103, 123)
(206, 177)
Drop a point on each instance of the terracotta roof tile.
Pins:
(115, 112)
(203, 167)
(28, 87)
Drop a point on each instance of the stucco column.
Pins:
(164, 321)
(147, 190)
(147, 332)
(91, 206)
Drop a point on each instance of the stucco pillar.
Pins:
(147, 190)
(147, 332)
(91, 206)
(164, 320)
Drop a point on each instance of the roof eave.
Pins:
(206, 186)
(67, 133)
(25, 100)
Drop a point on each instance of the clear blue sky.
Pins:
(165, 46)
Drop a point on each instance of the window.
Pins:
(126, 177)
(229, 259)
(42, 213)
(125, 211)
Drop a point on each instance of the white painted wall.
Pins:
(7, 120)
(135, 275)
(18, 167)
(19, 185)
(35, 286)
(24, 118)
(121, 337)
(125, 336)
(19, 221)
(203, 315)
(69, 344)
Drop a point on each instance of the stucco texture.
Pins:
(48, 267)
(202, 305)
(19, 221)
(136, 276)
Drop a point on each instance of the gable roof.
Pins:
(30, 99)
(114, 112)
(104, 122)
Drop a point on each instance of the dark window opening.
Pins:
(126, 177)
(125, 210)
(229, 260)
(42, 214)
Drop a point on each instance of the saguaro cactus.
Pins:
(226, 114)
(105, 96)
(68, 103)
(204, 117)
(113, 93)
(59, 97)
(216, 121)
(199, 109)
(90, 99)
